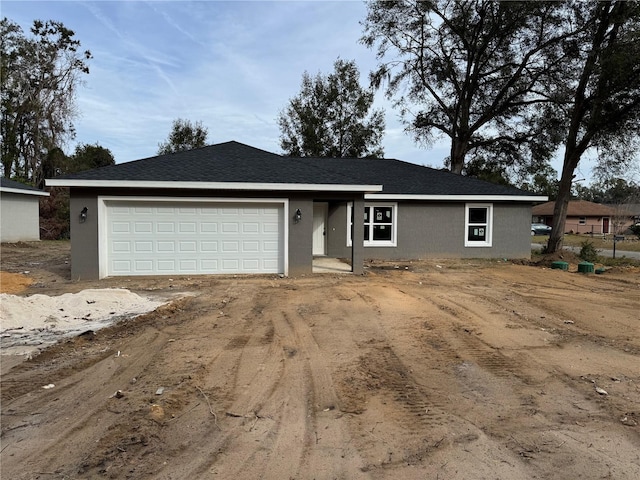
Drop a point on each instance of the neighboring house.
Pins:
(627, 215)
(19, 211)
(231, 208)
(582, 217)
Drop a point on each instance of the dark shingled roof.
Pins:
(6, 183)
(398, 177)
(236, 162)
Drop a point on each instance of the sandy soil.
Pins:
(439, 370)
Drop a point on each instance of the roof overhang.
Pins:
(457, 198)
(23, 191)
(289, 187)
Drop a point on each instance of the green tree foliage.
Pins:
(332, 117)
(87, 157)
(542, 181)
(39, 77)
(184, 136)
(600, 97)
(614, 191)
(470, 70)
(54, 209)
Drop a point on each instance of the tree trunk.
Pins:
(559, 215)
(572, 157)
(458, 153)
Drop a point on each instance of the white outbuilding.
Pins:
(19, 211)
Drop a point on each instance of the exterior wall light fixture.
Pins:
(83, 215)
(297, 216)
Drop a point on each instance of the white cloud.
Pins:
(232, 65)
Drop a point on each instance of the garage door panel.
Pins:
(230, 247)
(166, 266)
(122, 267)
(146, 238)
(187, 227)
(120, 227)
(208, 247)
(121, 247)
(209, 265)
(208, 227)
(228, 227)
(142, 227)
(251, 227)
(143, 266)
(270, 246)
(270, 227)
(143, 247)
(230, 265)
(250, 246)
(165, 227)
(165, 246)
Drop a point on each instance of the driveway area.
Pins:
(415, 370)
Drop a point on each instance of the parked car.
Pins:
(540, 229)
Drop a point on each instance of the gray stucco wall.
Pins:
(84, 237)
(19, 217)
(300, 237)
(433, 230)
(437, 230)
(85, 260)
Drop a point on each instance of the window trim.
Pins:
(582, 220)
(375, 243)
(488, 242)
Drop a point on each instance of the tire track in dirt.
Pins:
(493, 376)
(273, 406)
(236, 387)
(73, 432)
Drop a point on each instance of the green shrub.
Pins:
(588, 252)
(635, 229)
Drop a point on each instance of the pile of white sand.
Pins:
(37, 319)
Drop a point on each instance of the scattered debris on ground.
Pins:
(434, 369)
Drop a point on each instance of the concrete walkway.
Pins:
(330, 265)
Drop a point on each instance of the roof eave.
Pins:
(305, 187)
(460, 198)
(24, 191)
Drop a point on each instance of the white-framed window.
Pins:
(582, 220)
(380, 224)
(478, 225)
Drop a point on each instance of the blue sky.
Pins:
(233, 65)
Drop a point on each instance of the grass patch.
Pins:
(619, 262)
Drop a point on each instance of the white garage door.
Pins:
(164, 238)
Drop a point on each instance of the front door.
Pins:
(605, 224)
(319, 228)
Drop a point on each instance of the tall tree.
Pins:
(613, 191)
(332, 117)
(184, 136)
(542, 180)
(602, 108)
(39, 77)
(54, 209)
(88, 156)
(470, 70)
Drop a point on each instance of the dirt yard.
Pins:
(422, 370)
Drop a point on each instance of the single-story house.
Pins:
(19, 211)
(627, 215)
(582, 217)
(231, 208)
